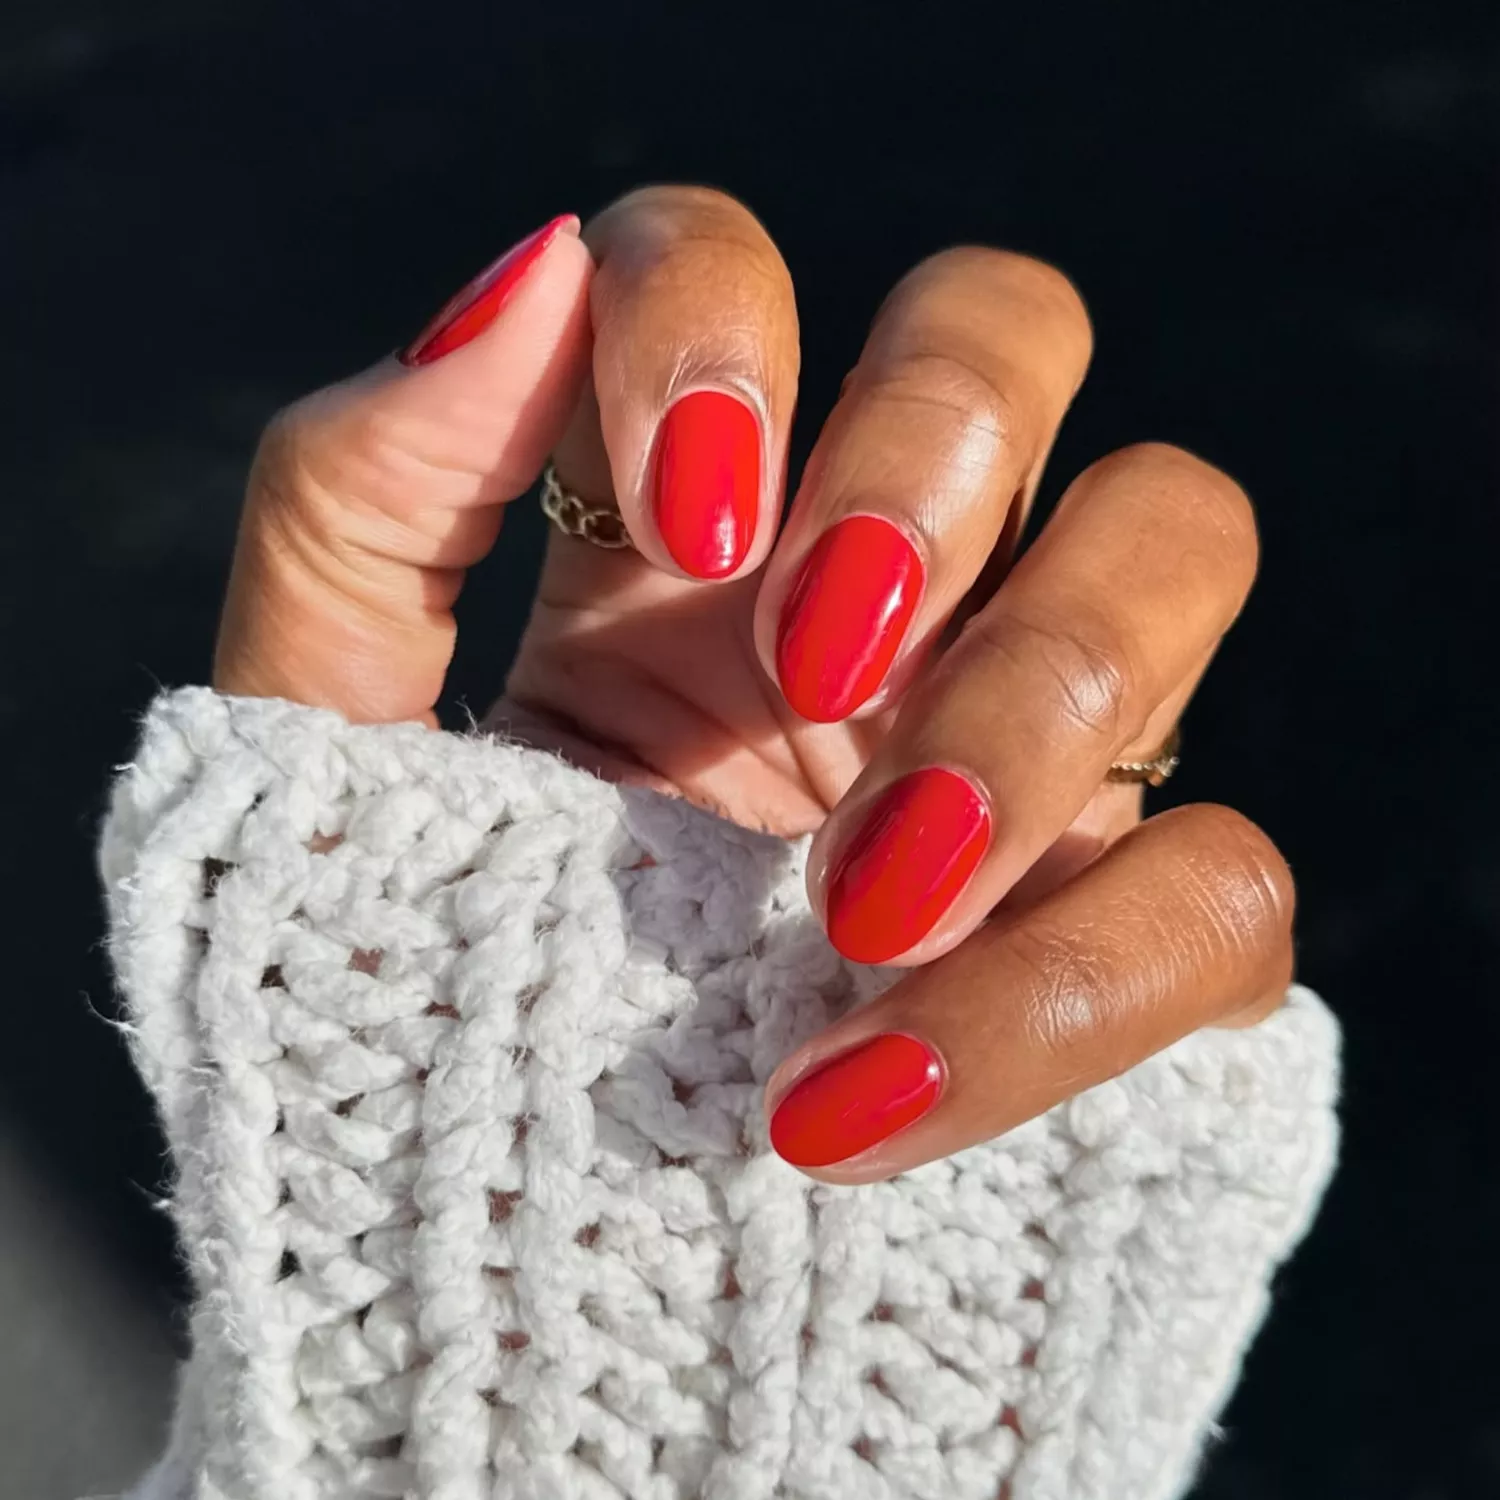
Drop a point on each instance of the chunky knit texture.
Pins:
(460, 1053)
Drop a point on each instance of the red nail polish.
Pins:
(856, 1101)
(473, 309)
(914, 853)
(845, 618)
(707, 482)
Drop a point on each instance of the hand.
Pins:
(885, 671)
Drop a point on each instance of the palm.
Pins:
(664, 672)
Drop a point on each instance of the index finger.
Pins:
(369, 499)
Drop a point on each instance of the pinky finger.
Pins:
(1184, 923)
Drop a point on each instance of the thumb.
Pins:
(368, 500)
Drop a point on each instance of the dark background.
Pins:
(1283, 218)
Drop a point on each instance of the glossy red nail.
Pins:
(707, 482)
(904, 868)
(472, 310)
(846, 616)
(856, 1101)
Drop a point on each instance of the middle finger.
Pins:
(928, 459)
(1109, 616)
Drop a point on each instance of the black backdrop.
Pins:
(1282, 216)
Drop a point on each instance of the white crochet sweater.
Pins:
(460, 1054)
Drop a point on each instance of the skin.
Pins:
(1088, 939)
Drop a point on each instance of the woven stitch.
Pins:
(460, 1054)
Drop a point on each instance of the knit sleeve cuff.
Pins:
(460, 1054)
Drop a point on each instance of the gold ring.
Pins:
(1154, 769)
(602, 525)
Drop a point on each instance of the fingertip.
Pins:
(478, 304)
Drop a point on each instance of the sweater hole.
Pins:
(588, 1236)
(214, 870)
(514, 1340)
(1034, 1291)
(731, 1292)
(502, 1206)
(366, 960)
(1011, 1418)
(864, 1448)
(324, 843)
(271, 978)
(289, 1265)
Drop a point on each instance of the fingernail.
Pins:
(856, 1101)
(846, 616)
(472, 310)
(707, 482)
(904, 868)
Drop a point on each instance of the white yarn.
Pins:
(460, 1053)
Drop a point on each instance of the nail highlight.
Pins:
(706, 486)
(845, 618)
(467, 314)
(856, 1101)
(911, 857)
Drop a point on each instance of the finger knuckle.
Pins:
(1239, 877)
(285, 450)
(1089, 679)
(1069, 990)
(1053, 289)
(679, 200)
(676, 237)
(981, 429)
(952, 382)
(309, 461)
(1202, 504)
(983, 268)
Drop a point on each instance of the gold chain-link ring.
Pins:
(602, 525)
(1155, 770)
